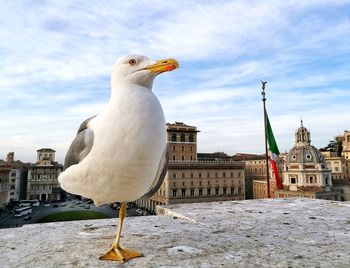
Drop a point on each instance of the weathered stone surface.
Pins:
(252, 233)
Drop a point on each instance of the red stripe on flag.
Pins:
(277, 177)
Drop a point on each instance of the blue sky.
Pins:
(56, 59)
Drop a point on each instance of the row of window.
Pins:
(182, 137)
(259, 193)
(45, 156)
(310, 179)
(43, 187)
(200, 175)
(183, 158)
(46, 170)
(182, 148)
(206, 191)
(201, 183)
(44, 177)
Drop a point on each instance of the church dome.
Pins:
(304, 154)
(304, 166)
(303, 151)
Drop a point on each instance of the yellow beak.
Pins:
(162, 66)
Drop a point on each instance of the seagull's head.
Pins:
(139, 70)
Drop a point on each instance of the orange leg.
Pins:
(116, 253)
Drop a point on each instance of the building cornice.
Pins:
(206, 164)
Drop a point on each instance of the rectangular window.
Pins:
(174, 192)
(224, 190)
(192, 192)
(208, 191)
(200, 192)
(174, 175)
(216, 191)
(183, 192)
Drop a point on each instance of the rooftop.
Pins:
(250, 233)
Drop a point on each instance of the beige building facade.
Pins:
(5, 170)
(345, 139)
(255, 170)
(191, 180)
(43, 177)
(338, 165)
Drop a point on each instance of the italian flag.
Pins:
(274, 152)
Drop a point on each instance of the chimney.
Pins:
(10, 157)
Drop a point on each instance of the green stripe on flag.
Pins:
(271, 138)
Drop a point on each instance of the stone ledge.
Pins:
(251, 233)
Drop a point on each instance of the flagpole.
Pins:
(265, 129)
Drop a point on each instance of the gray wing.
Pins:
(81, 145)
(162, 169)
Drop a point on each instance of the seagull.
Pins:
(121, 154)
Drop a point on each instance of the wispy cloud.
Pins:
(56, 58)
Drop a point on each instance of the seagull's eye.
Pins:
(132, 62)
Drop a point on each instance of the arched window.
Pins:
(173, 137)
(190, 138)
(182, 138)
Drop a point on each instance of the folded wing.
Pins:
(81, 145)
(162, 169)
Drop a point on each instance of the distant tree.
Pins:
(332, 146)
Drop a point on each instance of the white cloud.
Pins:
(56, 58)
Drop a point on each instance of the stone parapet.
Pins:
(251, 233)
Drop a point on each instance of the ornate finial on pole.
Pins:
(301, 121)
(263, 85)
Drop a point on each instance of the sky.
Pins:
(56, 59)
